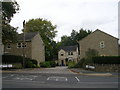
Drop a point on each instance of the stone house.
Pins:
(104, 43)
(66, 54)
(33, 47)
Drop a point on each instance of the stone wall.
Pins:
(93, 40)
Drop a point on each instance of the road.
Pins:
(59, 77)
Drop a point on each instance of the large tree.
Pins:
(46, 30)
(73, 38)
(9, 33)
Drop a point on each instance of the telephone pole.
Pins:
(23, 44)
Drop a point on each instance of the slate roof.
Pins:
(28, 36)
(68, 48)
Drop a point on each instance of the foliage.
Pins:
(47, 31)
(29, 64)
(8, 10)
(11, 59)
(106, 60)
(71, 64)
(89, 54)
(52, 63)
(45, 64)
(17, 66)
(73, 38)
(80, 63)
(8, 32)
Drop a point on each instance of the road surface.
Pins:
(59, 77)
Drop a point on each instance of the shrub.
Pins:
(45, 64)
(71, 64)
(80, 63)
(52, 63)
(17, 66)
(18, 59)
(29, 64)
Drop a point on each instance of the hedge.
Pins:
(106, 60)
(11, 59)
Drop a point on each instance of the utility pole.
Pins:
(23, 44)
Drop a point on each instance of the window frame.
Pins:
(102, 44)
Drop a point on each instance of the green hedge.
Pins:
(106, 60)
(45, 64)
(11, 59)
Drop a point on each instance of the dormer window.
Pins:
(102, 44)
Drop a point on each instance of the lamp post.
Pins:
(23, 45)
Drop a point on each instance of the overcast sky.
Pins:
(71, 14)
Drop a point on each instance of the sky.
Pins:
(70, 14)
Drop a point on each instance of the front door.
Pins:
(62, 62)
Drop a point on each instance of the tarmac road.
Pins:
(59, 77)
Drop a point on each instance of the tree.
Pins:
(73, 38)
(8, 11)
(46, 30)
(82, 33)
(9, 33)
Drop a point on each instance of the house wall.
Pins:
(14, 50)
(93, 42)
(65, 55)
(38, 50)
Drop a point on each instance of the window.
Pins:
(70, 53)
(62, 54)
(8, 46)
(102, 44)
(18, 45)
(21, 45)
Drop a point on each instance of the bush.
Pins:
(6, 59)
(80, 63)
(45, 64)
(52, 63)
(106, 60)
(71, 64)
(29, 64)
(17, 66)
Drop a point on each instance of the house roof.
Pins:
(68, 48)
(101, 32)
(28, 36)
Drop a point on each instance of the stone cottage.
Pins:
(66, 54)
(33, 47)
(104, 43)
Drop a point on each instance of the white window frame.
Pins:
(18, 45)
(102, 44)
(21, 45)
